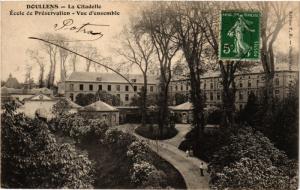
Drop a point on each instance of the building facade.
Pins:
(91, 82)
(87, 82)
(245, 84)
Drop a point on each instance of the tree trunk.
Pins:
(41, 78)
(144, 100)
(163, 106)
(197, 101)
(228, 93)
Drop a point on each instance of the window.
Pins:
(218, 96)
(176, 88)
(277, 81)
(118, 87)
(151, 88)
(181, 87)
(241, 95)
(100, 87)
(135, 88)
(211, 96)
(126, 97)
(187, 87)
(91, 87)
(211, 85)
(81, 87)
(276, 92)
(241, 85)
(133, 80)
(126, 88)
(108, 87)
(119, 96)
(204, 85)
(249, 84)
(72, 96)
(257, 82)
(71, 87)
(241, 106)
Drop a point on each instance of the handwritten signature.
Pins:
(68, 24)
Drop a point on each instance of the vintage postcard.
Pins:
(150, 94)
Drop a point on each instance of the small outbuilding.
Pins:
(101, 110)
(183, 112)
(42, 105)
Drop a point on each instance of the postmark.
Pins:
(239, 36)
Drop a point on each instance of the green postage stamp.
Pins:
(239, 36)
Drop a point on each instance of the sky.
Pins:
(15, 30)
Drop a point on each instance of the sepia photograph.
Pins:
(150, 95)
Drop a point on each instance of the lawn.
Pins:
(153, 132)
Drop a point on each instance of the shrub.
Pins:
(138, 151)
(31, 158)
(78, 128)
(141, 171)
(249, 160)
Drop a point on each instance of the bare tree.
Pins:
(138, 49)
(210, 14)
(90, 52)
(187, 22)
(63, 55)
(34, 54)
(52, 52)
(28, 78)
(156, 22)
(274, 17)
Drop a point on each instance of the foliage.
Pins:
(85, 99)
(249, 160)
(285, 124)
(61, 107)
(143, 171)
(277, 121)
(119, 138)
(138, 151)
(206, 146)
(31, 157)
(180, 98)
(214, 117)
(151, 100)
(108, 98)
(152, 132)
(140, 171)
(78, 128)
(248, 113)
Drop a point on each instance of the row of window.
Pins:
(241, 84)
(176, 88)
(109, 87)
(240, 95)
(126, 97)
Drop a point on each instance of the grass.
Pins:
(153, 132)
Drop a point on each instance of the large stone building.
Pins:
(91, 82)
(88, 82)
(245, 84)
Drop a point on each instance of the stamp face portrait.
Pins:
(239, 36)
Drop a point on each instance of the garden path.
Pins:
(167, 149)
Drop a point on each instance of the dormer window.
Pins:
(133, 80)
(98, 78)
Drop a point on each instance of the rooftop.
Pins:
(99, 106)
(109, 77)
